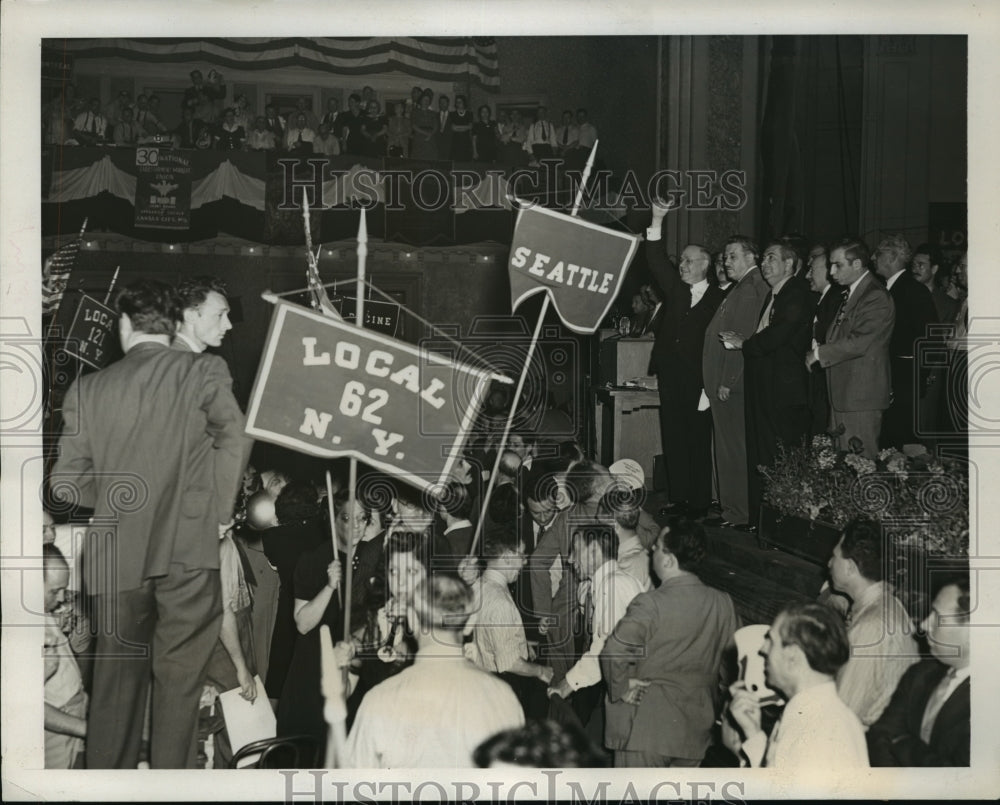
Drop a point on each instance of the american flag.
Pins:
(56, 271)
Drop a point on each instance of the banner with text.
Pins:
(382, 317)
(162, 188)
(330, 389)
(93, 335)
(579, 264)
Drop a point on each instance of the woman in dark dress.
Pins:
(485, 137)
(230, 136)
(460, 123)
(300, 530)
(374, 131)
(318, 600)
(424, 124)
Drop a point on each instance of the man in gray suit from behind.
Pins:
(154, 444)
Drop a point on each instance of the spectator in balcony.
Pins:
(300, 136)
(261, 138)
(424, 123)
(244, 114)
(443, 135)
(229, 136)
(331, 114)
(413, 102)
(275, 124)
(587, 137)
(400, 130)
(539, 137)
(312, 121)
(325, 141)
(214, 90)
(460, 123)
(57, 119)
(367, 95)
(114, 110)
(126, 132)
(374, 130)
(146, 119)
(205, 108)
(485, 137)
(192, 133)
(91, 127)
(567, 135)
(351, 123)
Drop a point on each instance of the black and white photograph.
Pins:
(490, 401)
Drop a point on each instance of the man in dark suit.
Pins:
(915, 311)
(856, 352)
(154, 444)
(776, 383)
(739, 312)
(927, 720)
(689, 302)
(190, 130)
(830, 295)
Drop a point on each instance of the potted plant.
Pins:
(813, 490)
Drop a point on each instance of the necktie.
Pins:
(934, 705)
(545, 133)
(841, 310)
(565, 135)
(767, 314)
(93, 124)
(300, 136)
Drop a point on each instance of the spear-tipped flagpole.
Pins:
(527, 364)
(111, 287)
(359, 312)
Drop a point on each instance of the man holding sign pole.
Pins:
(689, 303)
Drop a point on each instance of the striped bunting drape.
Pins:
(431, 58)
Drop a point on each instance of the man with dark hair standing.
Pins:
(927, 720)
(878, 627)
(830, 297)
(804, 649)
(777, 391)
(722, 367)
(915, 312)
(204, 314)
(661, 663)
(164, 425)
(856, 352)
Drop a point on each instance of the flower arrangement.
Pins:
(921, 501)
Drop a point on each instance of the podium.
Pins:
(627, 419)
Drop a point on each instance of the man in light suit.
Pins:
(738, 313)
(856, 354)
(154, 444)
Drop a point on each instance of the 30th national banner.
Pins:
(579, 264)
(330, 389)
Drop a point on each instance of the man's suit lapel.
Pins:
(852, 302)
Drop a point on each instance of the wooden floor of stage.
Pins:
(760, 581)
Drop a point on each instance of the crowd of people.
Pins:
(755, 347)
(421, 127)
(575, 619)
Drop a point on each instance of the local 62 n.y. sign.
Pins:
(330, 389)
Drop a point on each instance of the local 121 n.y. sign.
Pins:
(330, 389)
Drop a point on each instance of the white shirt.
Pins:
(817, 732)
(891, 281)
(431, 715)
(540, 131)
(612, 591)
(698, 291)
